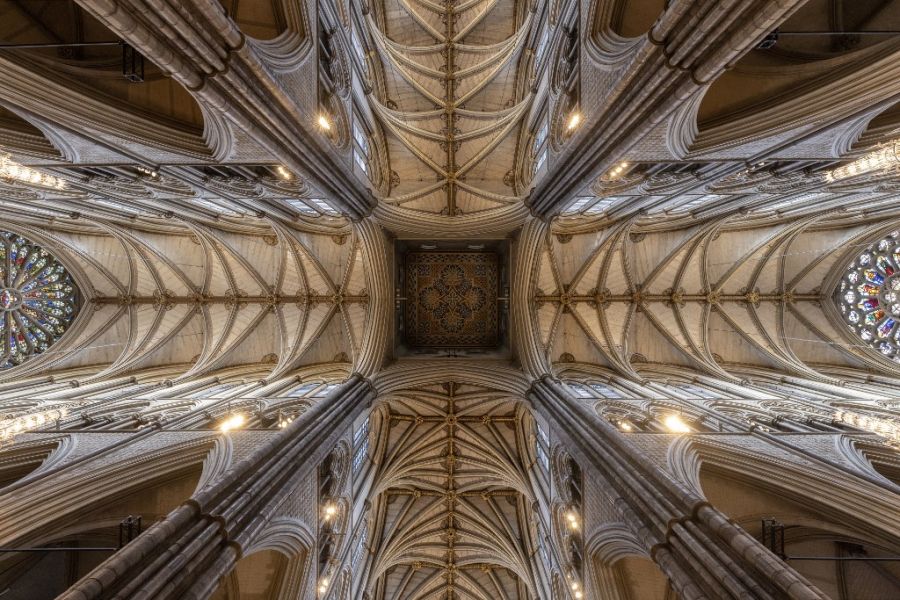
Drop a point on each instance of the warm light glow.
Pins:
(330, 511)
(324, 123)
(625, 426)
(882, 427)
(10, 169)
(884, 157)
(674, 424)
(617, 171)
(147, 172)
(572, 520)
(574, 121)
(235, 421)
(10, 427)
(283, 173)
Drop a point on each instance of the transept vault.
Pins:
(449, 300)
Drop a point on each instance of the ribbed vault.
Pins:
(711, 297)
(452, 103)
(206, 299)
(451, 500)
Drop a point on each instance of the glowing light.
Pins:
(147, 172)
(674, 424)
(10, 427)
(233, 422)
(324, 123)
(625, 426)
(576, 590)
(10, 169)
(572, 520)
(882, 427)
(574, 121)
(323, 586)
(884, 157)
(330, 511)
(284, 173)
(617, 172)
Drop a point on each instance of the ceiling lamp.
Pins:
(882, 158)
(572, 520)
(625, 426)
(882, 427)
(330, 511)
(233, 422)
(10, 169)
(283, 172)
(148, 172)
(574, 121)
(11, 427)
(617, 172)
(324, 122)
(674, 424)
(323, 586)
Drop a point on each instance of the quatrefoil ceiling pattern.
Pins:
(451, 502)
(712, 298)
(452, 299)
(452, 102)
(205, 299)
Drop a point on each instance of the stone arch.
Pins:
(739, 483)
(276, 565)
(28, 457)
(811, 529)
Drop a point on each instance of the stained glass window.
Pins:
(38, 299)
(869, 296)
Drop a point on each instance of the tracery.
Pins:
(38, 300)
(869, 295)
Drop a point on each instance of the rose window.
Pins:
(38, 299)
(870, 296)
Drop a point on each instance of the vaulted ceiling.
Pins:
(203, 299)
(199, 237)
(711, 298)
(452, 101)
(664, 181)
(452, 506)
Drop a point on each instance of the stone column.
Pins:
(185, 555)
(233, 77)
(691, 43)
(700, 550)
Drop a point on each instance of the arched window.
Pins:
(38, 299)
(303, 390)
(581, 390)
(360, 51)
(605, 391)
(539, 146)
(360, 146)
(697, 391)
(215, 391)
(542, 447)
(869, 296)
(360, 446)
